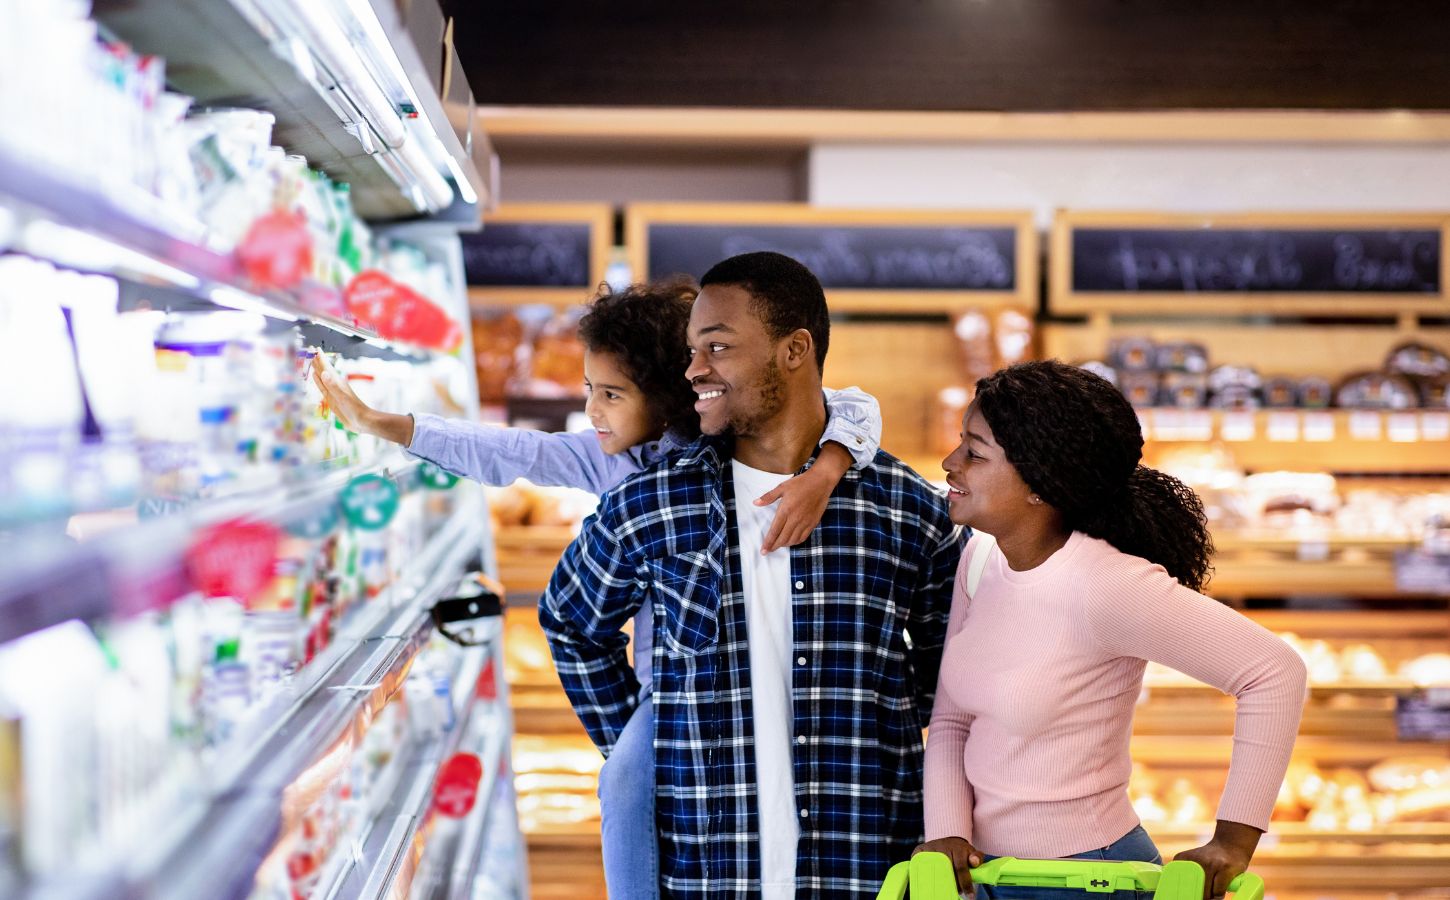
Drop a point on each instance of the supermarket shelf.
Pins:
(1390, 687)
(49, 580)
(158, 247)
(256, 54)
(1198, 751)
(384, 866)
(1412, 441)
(357, 685)
(1244, 541)
(1289, 833)
(467, 855)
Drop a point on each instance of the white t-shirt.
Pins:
(766, 580)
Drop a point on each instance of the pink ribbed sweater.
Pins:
(1028, 749)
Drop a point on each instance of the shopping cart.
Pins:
(931, 877)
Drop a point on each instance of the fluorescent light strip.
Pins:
(330, 43)
(464, 188)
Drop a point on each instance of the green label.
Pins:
(370, 501)
(436, 478)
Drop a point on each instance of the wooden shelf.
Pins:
(1342, 449)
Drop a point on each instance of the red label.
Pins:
(233, 559)
(397, 312)
(486, 688)
(277, 250)
(457, 788)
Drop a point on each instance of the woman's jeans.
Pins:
(627, 808)
(1133, 846)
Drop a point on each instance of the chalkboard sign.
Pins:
(877, 258)
(1321, 261)
(529, 254)
(1248, 264)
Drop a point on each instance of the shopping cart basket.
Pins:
(931, 877)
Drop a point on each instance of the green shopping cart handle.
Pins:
(930, 876)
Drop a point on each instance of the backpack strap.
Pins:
(981, 552)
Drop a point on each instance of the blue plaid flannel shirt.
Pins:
(880, 566)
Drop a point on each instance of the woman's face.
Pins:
(985, 489)
(616, 406)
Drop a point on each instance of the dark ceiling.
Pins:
(1023, 55)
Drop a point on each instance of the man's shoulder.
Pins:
(675, 479)
(889, 472)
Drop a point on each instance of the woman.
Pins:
(1096, 568)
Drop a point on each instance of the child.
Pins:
(642, 408)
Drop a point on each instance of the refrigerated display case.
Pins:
(221, 674)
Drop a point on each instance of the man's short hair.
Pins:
(785, 293)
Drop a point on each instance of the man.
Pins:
(789, 699)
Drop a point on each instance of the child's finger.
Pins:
(773, 536)
(770, 496)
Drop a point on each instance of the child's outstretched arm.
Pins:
(852, 436)
(485, 453)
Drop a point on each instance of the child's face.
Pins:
(616, 406)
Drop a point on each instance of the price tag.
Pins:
(1420, 572)
(1283, 426)
(1318, 426)
(1238, 426)
(370, 501)
(1435, 426)
(1422, 717)
(1168, 424)
(1314, 550)
(1403, 427)
(457, 787)
(1198, 425)
(436, 478)
(1365, 425)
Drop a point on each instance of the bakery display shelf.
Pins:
(1198, 751)
(1390, 687)
(1283, 837)
(212, 843)
(1267, 575)
(311, 69)
(1415, 441)
(1242, 540)
(49, 580)
(391, 845)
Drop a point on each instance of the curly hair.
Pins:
(1076, 441)
(644, 327)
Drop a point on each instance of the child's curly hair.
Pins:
(644, 327)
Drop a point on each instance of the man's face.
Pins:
(733, 364)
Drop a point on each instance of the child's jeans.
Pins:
(1135, 846)
(627, 808)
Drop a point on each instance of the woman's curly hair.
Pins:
(1076, 441)
(644, 327)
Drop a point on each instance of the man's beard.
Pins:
(770, 391)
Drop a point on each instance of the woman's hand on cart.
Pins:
(1225, 857)
(960, 851)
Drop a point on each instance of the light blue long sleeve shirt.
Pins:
(498, 456)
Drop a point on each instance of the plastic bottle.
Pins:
(40, 426)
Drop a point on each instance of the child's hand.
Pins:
(803, 501)
(340, 396)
